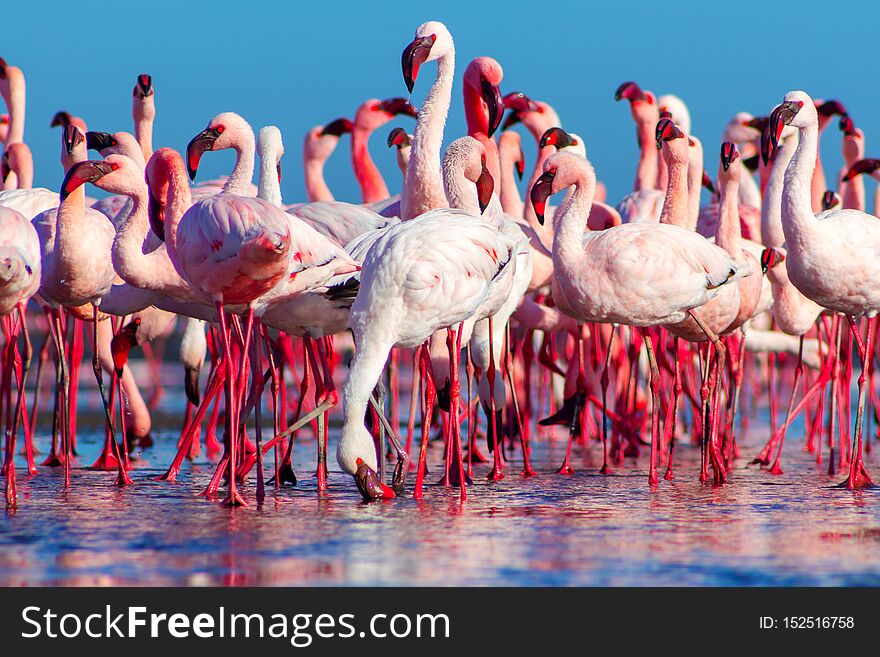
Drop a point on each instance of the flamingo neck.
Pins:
(239, 180)
(570, 221)
(143, 132)
(177, 201)
(877, 201)
(662, 173)
(695, 186)
(16, 107)
(749, 193)
(316, 187)
(477, 117)
(675, 204)
(528, 209)
(424, 186)
(511, 201)
(373, 188)
(798, 223)
(771, 207)
(728, 234)
(269, 187)
(647, 170)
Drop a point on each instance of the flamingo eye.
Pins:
(374, 107)
(220, 129)
(114, 166)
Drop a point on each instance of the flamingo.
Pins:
(634, 274)
(143, 110)
(646, 200)
(868, 166)
(20, 270)
(370, 116)
(831, 257)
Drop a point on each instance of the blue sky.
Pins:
(298, 64)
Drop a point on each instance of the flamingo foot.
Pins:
(776, 469)
(670, 475)
(234, 499)
(528, 471)
(495, 474)
(106, 461)
(285, 476)
(858, 477)
(170, 475)
(606, 469)
(565, 469)
(122, 480)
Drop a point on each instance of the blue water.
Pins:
(585, 529)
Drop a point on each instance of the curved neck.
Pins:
(728, 234)
(749, 194)
(477, 117)
(316, 188)
(675, 205)
(771, 206)
(424, 186)
(373, 188)
(178, 199)
(70, 225)
(239, 180)
(461, 193)
(529, 209)
(269, 189)
(798, 222)
(152, 270)
(646, 172)
(570, 221)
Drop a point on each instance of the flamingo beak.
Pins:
(398, 137)
(98, 141)
(82, 173)
(707, 182)
(729, 154)
(156, 211)
(204, 141)
(61, 118)
(398, 106)
(831, 107)
(780, 117)
(414, 55)
(485, 187)
(631, 91)
(337, 128)
(556, 137)
(369, 484)
(847, 126)
(122, 343)
(495, 102)
(541, 191)
(520, 165)
(191, 385)
(770, 257)
(144, 86)
(72, 137)
(512, 119)
(829, 200)
(861, 166)
(5, 169)
(278, 171)
(666, 131)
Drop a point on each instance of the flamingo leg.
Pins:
(233, 497)
(677, 388)
(858, 475)
(798, 372)
(428, 412)
(655, 406)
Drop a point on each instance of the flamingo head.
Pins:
(71, 138)
(740, 130)
(271, 147)
(159, 169)
(729, 155)
(518, 104)
(677, 148)
(226, 130)
(62, 119)
(770, 257)
(558, 138)
(87, 171)
(432, 41)
(100, 141)
(122, 343)
(827, 109)
(484, 76)
(370, 486)
(869, 166)
(322, 140)
(375, 113)
(677, 111)
(830, 200)
(398, 137)
(144, 86)
(561, 171)
(336, 128)
(632, 92)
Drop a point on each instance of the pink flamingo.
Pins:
(868, 166)
(830, 258)
(143, 110)
(650, 274)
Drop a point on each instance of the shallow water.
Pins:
(585, 529)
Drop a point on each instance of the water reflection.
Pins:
(584, 529)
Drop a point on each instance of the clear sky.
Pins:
(298, 64)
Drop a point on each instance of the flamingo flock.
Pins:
(639, 324)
